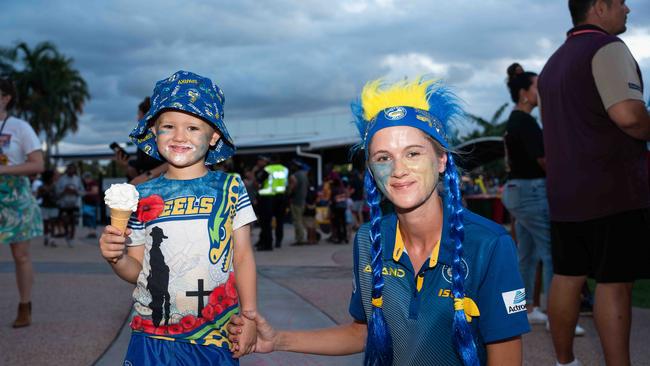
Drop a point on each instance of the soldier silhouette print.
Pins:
(158, 279)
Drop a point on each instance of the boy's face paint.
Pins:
(182, 139)
(405, 165)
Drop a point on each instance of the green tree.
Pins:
(493, 127)
(51, 92)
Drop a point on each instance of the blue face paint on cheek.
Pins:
(381, 173)
(201, 151)
(202, 148)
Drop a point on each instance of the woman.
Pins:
(524, 194)
(20, 217)
(434, 283)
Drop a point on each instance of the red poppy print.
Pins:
(218, 295)
(188, 321)
(208, 312)
(218, 309)
(147, 326)
(199, 322)
(175, 329)
(150, 207)
(231, 290)
(136, 323)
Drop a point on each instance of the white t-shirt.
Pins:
(17, 140)
(189, 249)
(69, 200)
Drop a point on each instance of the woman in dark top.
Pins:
(525, 192)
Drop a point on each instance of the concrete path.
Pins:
(81, 307)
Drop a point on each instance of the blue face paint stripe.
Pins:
(381, 173)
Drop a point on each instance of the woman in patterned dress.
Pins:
(20, 217)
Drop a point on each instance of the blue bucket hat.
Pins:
(187, 92)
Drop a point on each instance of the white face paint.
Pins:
(183, 140)
(405, 166)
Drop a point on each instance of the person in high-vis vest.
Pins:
(273, 179)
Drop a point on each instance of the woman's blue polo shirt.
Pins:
(420, 321)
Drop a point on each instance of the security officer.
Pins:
(273, 179)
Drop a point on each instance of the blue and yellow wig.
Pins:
(429, 106)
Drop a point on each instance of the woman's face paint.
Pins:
(182, 139)
(405, 165)
(381, 171)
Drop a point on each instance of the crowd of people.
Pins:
(65, 199)
(331, 211)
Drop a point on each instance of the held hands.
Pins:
(112, 243)
(247, 336)
(237, 328)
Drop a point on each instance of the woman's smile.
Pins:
(402, 186)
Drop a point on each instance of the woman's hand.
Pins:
(112, 243)
(246, 339)
(266, 335)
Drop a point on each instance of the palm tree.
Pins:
(493, 127)
(51, 93)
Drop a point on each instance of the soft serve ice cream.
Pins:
(123, 200)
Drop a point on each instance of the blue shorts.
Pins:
(146, 351)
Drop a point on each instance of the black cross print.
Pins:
(200, 294)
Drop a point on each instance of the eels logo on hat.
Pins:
(395, 113)
(187, 92)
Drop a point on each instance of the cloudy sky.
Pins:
(294, 59)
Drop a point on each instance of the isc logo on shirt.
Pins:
(515, 301)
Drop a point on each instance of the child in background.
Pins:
(49, 209)
(189, 234)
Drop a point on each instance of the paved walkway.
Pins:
(81, 307)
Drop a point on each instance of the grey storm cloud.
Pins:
(290, 58)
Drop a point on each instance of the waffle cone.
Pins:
(119, 218)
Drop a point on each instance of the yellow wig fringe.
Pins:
(375, 96)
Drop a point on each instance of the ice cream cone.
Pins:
(119, 218)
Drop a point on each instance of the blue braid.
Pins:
(463, 338)
(379, 345)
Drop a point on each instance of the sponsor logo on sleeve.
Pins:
(515, 301)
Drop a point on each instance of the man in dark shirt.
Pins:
(595, 127)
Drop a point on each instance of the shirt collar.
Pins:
(585, 27)
(394, 245)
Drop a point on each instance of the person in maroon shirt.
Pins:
(595, 132)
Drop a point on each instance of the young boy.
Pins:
(189, 234)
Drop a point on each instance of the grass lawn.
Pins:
(640, 293)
